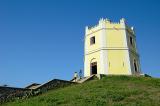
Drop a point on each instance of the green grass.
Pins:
(109, 91)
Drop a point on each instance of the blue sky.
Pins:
(43, 39)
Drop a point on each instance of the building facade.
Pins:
(110, 48)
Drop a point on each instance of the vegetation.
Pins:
(109, 91)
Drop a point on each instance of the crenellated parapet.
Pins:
(108, 24)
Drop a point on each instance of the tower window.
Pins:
(135, 66)
(92, 40)
(131, 40)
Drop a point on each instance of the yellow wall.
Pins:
(117, 62)
(115, 37)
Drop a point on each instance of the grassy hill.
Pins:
(111, 90)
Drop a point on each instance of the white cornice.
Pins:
(106, 48)
(111, 48)
(105, 29)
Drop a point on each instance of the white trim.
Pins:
(85, 50)
(99, 49)
(103, 29)
(85, 67)
(126, 46)
(128, 61)
(103, 53)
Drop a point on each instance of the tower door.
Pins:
(94, 68)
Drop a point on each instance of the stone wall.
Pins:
(53, 84)
(11, 94)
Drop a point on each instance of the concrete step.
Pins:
(85, 79)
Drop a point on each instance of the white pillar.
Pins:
(103, 53)
(123, 24)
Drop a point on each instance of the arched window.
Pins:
(131, 40)
(135, 66)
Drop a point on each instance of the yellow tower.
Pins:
(110, 48)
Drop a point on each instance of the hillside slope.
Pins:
(111, 90)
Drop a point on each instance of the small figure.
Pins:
(75, 76)
(80, 74)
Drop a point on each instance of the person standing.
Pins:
(80, 74)
(75, 76)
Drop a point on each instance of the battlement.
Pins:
(107, 23)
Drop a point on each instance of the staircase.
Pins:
(85, 79)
